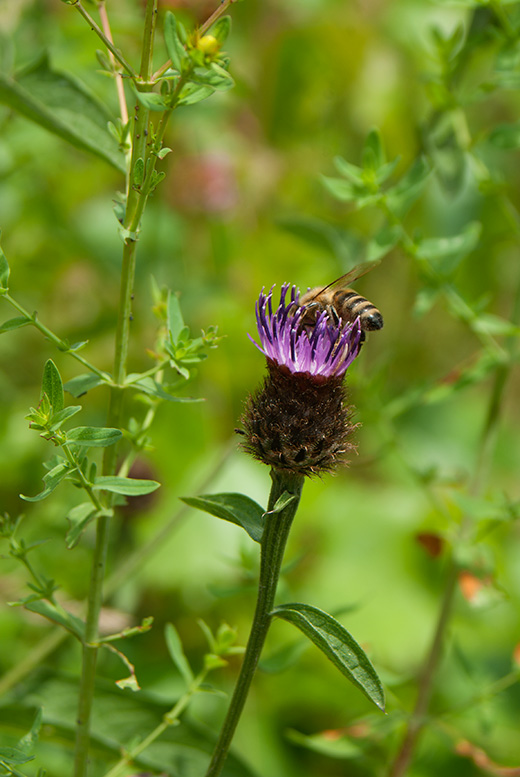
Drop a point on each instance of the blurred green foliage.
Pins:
(244, 206)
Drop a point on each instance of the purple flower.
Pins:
(323, 349)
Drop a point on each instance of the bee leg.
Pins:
(333, 315)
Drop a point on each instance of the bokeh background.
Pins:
(244, 206)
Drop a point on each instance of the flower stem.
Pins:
(115, 410)
(274, 539)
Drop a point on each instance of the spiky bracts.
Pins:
(298, 422)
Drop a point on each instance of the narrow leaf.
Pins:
(59, 418)
(151, 100)
(175, 320)
(383, 242)
(79, 518)
(52, 479)
(194, 93)
(14, 323)
(58, 615)
(176, 652)
(93, 436)
(281, 503)
(174, 46)
(125, 486)
(338, 645)
(27, 743)
(235, 508)
(64, 106)
(82, 383)
(152, 388)
(221, 29)
(13, 756)
(353, 173)
(52, 386)
(373, 152)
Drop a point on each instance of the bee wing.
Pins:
(344, 280)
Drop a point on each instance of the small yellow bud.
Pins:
(208, 44)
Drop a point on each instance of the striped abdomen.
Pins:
(349, 305)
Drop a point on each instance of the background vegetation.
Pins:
(244, 206)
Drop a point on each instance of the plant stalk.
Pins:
(274, 539)
(115, 410)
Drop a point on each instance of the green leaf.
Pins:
(151, 100)
(93, 436)
(175, 49)
(402, 196)
(383, 242)
(487, 323)
(28, 742)
(221, 29)
(4, 271)
(342, 190)
(176, 652)
(235, 508)
(14, 323)
(59, 418)
(194, 93)
(82, 383)
(125, 486)
(64, 106)
(58, 615)
(214, 76)
(351, 172)
(281, 503)
(175, 321)
(373, 152)
(52, 479)
(138, 172)
(13, 756)
(338, 645)
(385, 172)
(52, 386)
(446, 253)
(150, 387)
(332, 747)
(79, 518)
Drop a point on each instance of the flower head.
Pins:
(299, 421)
(325, 349)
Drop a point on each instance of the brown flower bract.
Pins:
(298, 422)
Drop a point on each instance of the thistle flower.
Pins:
(299, 421)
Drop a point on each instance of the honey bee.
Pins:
(342, 302)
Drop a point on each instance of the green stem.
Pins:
(89, 658)
(55, 340)
(170, 719)
(274, 539)
(108, 43)
(115, 410)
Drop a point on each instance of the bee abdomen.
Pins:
(371, 317)
(357, 305)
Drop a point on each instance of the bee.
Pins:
(342, 302)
